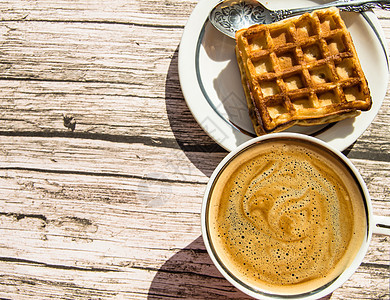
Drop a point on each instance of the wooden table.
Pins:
(111, 210)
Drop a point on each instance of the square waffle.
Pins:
(301, 71)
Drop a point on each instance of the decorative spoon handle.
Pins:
(353, 5)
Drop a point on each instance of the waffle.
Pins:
(301, 71)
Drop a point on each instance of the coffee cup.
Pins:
(287, 216)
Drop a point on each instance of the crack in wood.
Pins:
(103, 22)
(162, 142)
(54, 266)
(20, 216)
(169, 143)
(102, 174)
(175, 272)
(375, 265)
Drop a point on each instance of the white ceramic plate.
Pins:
(211, 83)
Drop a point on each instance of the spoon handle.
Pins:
(352, 5)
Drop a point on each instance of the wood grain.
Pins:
(111, 210)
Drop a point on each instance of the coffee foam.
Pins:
(286, 217)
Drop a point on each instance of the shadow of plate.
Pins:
(200, 149)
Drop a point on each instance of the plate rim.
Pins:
(223, 132)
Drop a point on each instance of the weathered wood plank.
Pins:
(98, 109)
(168, 13)
(139, 160)
(111, 210)
(127, 158)
(85, 52)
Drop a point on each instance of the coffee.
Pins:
(286, 216)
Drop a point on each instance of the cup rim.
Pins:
(263, 293)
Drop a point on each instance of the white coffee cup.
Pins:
(375, 225)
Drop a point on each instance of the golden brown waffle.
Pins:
(302, 70)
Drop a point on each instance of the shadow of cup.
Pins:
(190, 274)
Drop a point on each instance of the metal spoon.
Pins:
(228, 16)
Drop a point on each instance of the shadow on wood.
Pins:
(191, 274)
(190, 137)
